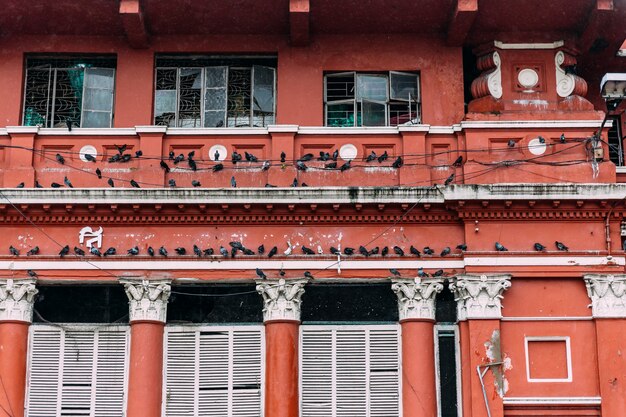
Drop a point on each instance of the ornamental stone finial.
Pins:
(147, 299)
(607, 295)
(17, 298)
(479, 296)
(281, 299)
(416, 297)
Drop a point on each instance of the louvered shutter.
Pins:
(214, 371)
(77, 372)
(350, 371)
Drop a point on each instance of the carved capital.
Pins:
(416, 297)
(281, 298)
(479, 296)
(147, 299)
(17, 298)
(607, 295)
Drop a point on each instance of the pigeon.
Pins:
(60, 159)
(383, 157)
(395, 272)
(374, 251)
(78, 251)
(335, 154)
(138, 153)
(133, 251)
(445, 251)
(99, 173)
(31, 273)
(233, 182)
(250, 157)
(172, 182)
(398, 162)
(126, 157)
(171, 155)
(115, 158)
(282, 157)
(398, 250)
(134, 184)
(261, 274)
(195, 183)
(95, 251)
(306, 157)
(414, 251)
(560, 246)
(218, 167)
(562, 138)
(110, 182)
(304, 184)
(33, 251)
(13, 251)
(20, 185)
(324, 156)
(237, 245)
(541, 139)
(345, 166)
(539, 247)
(500, 247)
(363, 251)
(266, 166)
(248, 252)
(307, 251)
(110, 251)
(68, 123)
(150, 251)
(197, 251)
(163, 251)
(458, 162)
(300, 166)
(67, 182)
(181, 251)
(335, 251)
(428, 251)
(55, 185)
(385, 251)
(89, 157)
(208, 252)
(307, 274)
(449, 180)
(192, 165)
(224, 251)
(272, 252)
(348, 251)
(421, 273)
(37, 185)
(165, 166)
(438, 273)
(295, 182)
(190, 155)
(462, 247)
(64, 251)
(268, 185)
(372, 156)
(511, 143)
(121, 149)
(179, 158)
(281, 272)
(233, 252)
(331, 165)
(261, 250)
(235, 157)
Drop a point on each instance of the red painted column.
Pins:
(416, 308)
(148, 311)
(18, 298)
(150, 173)
(608, 295)
(281, 315)
(283, 140)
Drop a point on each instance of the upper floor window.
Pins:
(69, 90)
(215, 91)
(371, 99)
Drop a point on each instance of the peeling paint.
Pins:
(494, 355)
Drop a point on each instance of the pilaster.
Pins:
(147, 299)
(281, 299)
(479, 296)
(416, 297)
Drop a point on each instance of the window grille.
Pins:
(616, 142)
(213, 371)
(77, 371)
(350, 371)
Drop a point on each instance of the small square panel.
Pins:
(528, 78)
(548, 359)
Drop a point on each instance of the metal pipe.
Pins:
(482, 382)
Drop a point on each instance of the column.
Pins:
(479, 303)
(147, 301)
(16, 313)
(416, 307)
(608, 306)
(281, 316)
(151, 143)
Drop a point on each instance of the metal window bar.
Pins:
(615, 141)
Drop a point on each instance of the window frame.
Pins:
(449, 330)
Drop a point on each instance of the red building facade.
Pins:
(312, 208)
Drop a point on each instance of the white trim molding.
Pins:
(607, 293)
(545, 45)
(17, 298)
(479, 296)
(282, 298)
(568, 352)
(416, 297)
(147, 299)
(552, 400)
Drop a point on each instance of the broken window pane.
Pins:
(403, 86)
(263, 95)
(189, 96)
(374, 114)
(215, 96)
(165, 97)
(371, 87)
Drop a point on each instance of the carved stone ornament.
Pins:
(147, 299)
(95, 235)
(281, 299)
(17, 298)
(607, 293)
(568, 84)
(479, 296)
(416, 297)
(490, 80)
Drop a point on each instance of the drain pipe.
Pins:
(481, 375)
(607, 231)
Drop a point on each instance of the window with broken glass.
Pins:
(371, 99)
(69, 90)
(215, 91)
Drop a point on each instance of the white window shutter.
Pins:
(44, 372)
(317, 376)
(110, 359)
(180, 378)
(351, 365)
(384, 373)
(214, 373)
(76, 384)
(246, 372)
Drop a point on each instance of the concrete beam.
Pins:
(596, 25)
(461, 21)
(299, 17)
(134, 23)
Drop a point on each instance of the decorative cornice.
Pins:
(416, 297)
(17, 298)
(607, 293)
(282, 298)
(530, 214)
(479, 296)
(147, 299)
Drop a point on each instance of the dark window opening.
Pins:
(445, 310)
(616, 142)
(215, 304)
(448, 402)
(81, 304)
(470, 73)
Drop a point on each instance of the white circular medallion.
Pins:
(219, 149)
(348, 152)
(87, 149)
(528, 78)
(536, 147)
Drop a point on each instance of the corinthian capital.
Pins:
(147, 299)
(416, 297)
(281, 299)
(607, 295)
(479, 296)
(17, 299)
